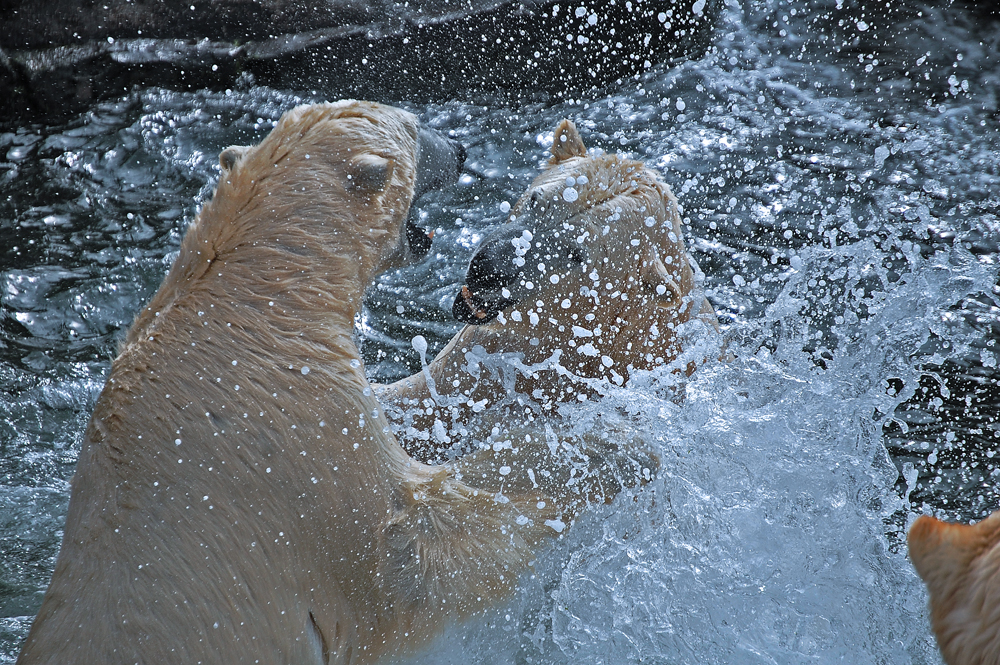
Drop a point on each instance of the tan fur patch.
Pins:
(960, 564)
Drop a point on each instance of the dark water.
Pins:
(840, 177)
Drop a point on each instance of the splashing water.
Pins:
(771, 533)
(840, 195)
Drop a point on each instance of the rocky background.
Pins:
(57, 58)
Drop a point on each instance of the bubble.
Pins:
(419, 344)
(555, 525)
(570, 194)
(881, 154)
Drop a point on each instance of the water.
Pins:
(839, 175)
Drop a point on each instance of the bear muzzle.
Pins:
(512, 264)
(439, 161)
(439, 164)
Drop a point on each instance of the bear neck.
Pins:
(299, 281)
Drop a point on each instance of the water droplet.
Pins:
(419, 344)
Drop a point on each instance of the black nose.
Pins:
(419, 240)
(496, 275)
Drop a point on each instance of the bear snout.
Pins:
(496, 271)
(439, 161)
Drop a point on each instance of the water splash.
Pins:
(772, 532)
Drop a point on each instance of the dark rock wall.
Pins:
(51, 67)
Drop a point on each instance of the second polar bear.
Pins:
(589, 282)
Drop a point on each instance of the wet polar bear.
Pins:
(589, 282)
(239, 496)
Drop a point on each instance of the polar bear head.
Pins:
(594, 246)
(345, 172)
(313, 212)
(960, 563)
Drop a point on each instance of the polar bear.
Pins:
(960, 564)
(239, 495)
(590, 280)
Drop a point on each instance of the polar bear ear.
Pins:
(566, 143)
(230, 156)
(369, 174)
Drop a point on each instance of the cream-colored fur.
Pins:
(617, 286)
(960, 564)
(239, 497)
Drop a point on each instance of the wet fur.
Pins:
(287, 526)
(960, 564)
